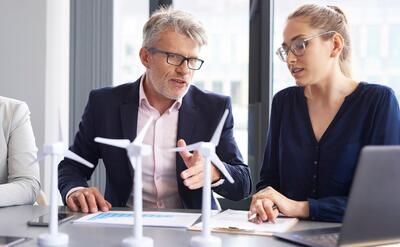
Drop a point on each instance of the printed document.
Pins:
(163, 219)
(235, 221)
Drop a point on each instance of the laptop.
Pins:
(373, 209)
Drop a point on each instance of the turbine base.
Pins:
(137, 242)
(58, 239)
(201, 241)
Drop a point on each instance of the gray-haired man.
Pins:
(172, 40)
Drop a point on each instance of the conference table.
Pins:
(13, 222)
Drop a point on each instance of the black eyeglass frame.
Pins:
(181, 58)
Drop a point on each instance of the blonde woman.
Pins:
(19, 181)
(318, 127)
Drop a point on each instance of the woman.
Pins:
(19, 179)
(318, 127)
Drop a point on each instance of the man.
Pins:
(171, 45)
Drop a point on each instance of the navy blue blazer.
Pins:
(112, 113)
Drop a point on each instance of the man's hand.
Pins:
(87, 200)
(193, 177)
(267, 203)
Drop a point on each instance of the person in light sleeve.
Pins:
(19, 174)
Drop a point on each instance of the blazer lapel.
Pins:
(129, 112)
(187, 119)
(129, 115)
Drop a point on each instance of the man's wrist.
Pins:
(72, 191)
(215, 174)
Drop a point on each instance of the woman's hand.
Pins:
(268, 203)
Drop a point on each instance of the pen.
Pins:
(253, 216)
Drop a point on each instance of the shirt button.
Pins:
(316, 147)
(315, 162)
(314, 176)
(313, 191)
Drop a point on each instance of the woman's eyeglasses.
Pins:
(298, 46)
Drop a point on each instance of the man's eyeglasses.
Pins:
(298, 46)
(177, 60)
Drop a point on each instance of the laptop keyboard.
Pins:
(327, 239)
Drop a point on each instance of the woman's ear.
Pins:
(144, 55)
(337, 44)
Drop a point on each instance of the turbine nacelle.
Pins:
(138, 150)
(206, 148)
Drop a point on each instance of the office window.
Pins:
(199, 84)
(129, 18)
(394, 44)
(375, 33)
(235, 91)
(226, 55)
(373, 41)
(395, 82)
(217, 87)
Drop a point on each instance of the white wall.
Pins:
(34, 64)
(22, 56)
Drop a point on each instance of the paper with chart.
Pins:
(150, 218)
(235, 221)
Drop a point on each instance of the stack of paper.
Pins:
(235, 221)
(165, 219)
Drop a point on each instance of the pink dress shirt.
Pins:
(160, 188)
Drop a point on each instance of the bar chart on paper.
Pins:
(166, 219)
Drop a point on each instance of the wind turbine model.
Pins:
(135, 150)
(56, 150)
(207, 150)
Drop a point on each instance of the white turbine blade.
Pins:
(218, 163)
(133, 162)
(218, 130)
(73, 156)
(139, 137)
(190, 147)
(122, 143)
(39, 158)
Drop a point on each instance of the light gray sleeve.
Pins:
(23, 179)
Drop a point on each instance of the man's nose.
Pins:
(183, 68)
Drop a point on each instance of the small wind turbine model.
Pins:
(135, 151)
(56, 150)
(207, 150)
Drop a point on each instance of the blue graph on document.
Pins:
(126, 215)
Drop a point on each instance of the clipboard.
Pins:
(229, 220)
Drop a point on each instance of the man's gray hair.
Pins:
(183, 22)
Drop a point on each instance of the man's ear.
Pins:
(144, 55)
(337, 45)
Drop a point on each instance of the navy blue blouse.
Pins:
(301, 168)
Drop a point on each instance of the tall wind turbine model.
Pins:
(135, 150)
(207, 150)
(56, 150)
